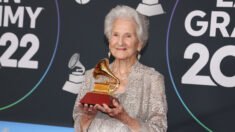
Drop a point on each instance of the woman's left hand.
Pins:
(117, 112)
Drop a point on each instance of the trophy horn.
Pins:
(102, 68)
(103, 92)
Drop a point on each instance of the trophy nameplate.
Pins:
(103, 91)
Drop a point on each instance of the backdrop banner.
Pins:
(47, 45)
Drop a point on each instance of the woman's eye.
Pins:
(128, 36)
(115, 34)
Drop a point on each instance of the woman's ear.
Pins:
(140, 45)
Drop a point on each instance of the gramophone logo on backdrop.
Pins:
(147, 7)
(150, 8)
(76, 77)
(82, 2)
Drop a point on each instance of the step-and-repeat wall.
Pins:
(47, 45)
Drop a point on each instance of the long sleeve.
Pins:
(156, 120)
(86, 86)
(144, 100)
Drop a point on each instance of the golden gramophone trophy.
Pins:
(103, 91)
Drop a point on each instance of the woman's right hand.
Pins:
(88, 114)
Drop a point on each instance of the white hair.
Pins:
(126, 12)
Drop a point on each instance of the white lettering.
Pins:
(233, 33)
(222, 3)
(19, 14)
(8, 16)
(7, 1)
(215, 67)
(221, 26)
(202, 24)
(33, 16)
(0, 16)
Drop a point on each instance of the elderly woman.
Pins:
(141, 105)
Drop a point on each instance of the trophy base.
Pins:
(92, 98)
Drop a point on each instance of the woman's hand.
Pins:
(119, 113)
(88, 114)
(115, 112)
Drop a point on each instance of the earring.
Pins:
(138, 55)
(109, 54)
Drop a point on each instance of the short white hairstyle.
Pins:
(126, 12)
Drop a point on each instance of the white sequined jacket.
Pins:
(144, 100)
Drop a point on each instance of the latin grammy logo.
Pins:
(76, 77)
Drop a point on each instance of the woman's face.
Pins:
(123, 42)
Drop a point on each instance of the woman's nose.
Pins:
(120, 41)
